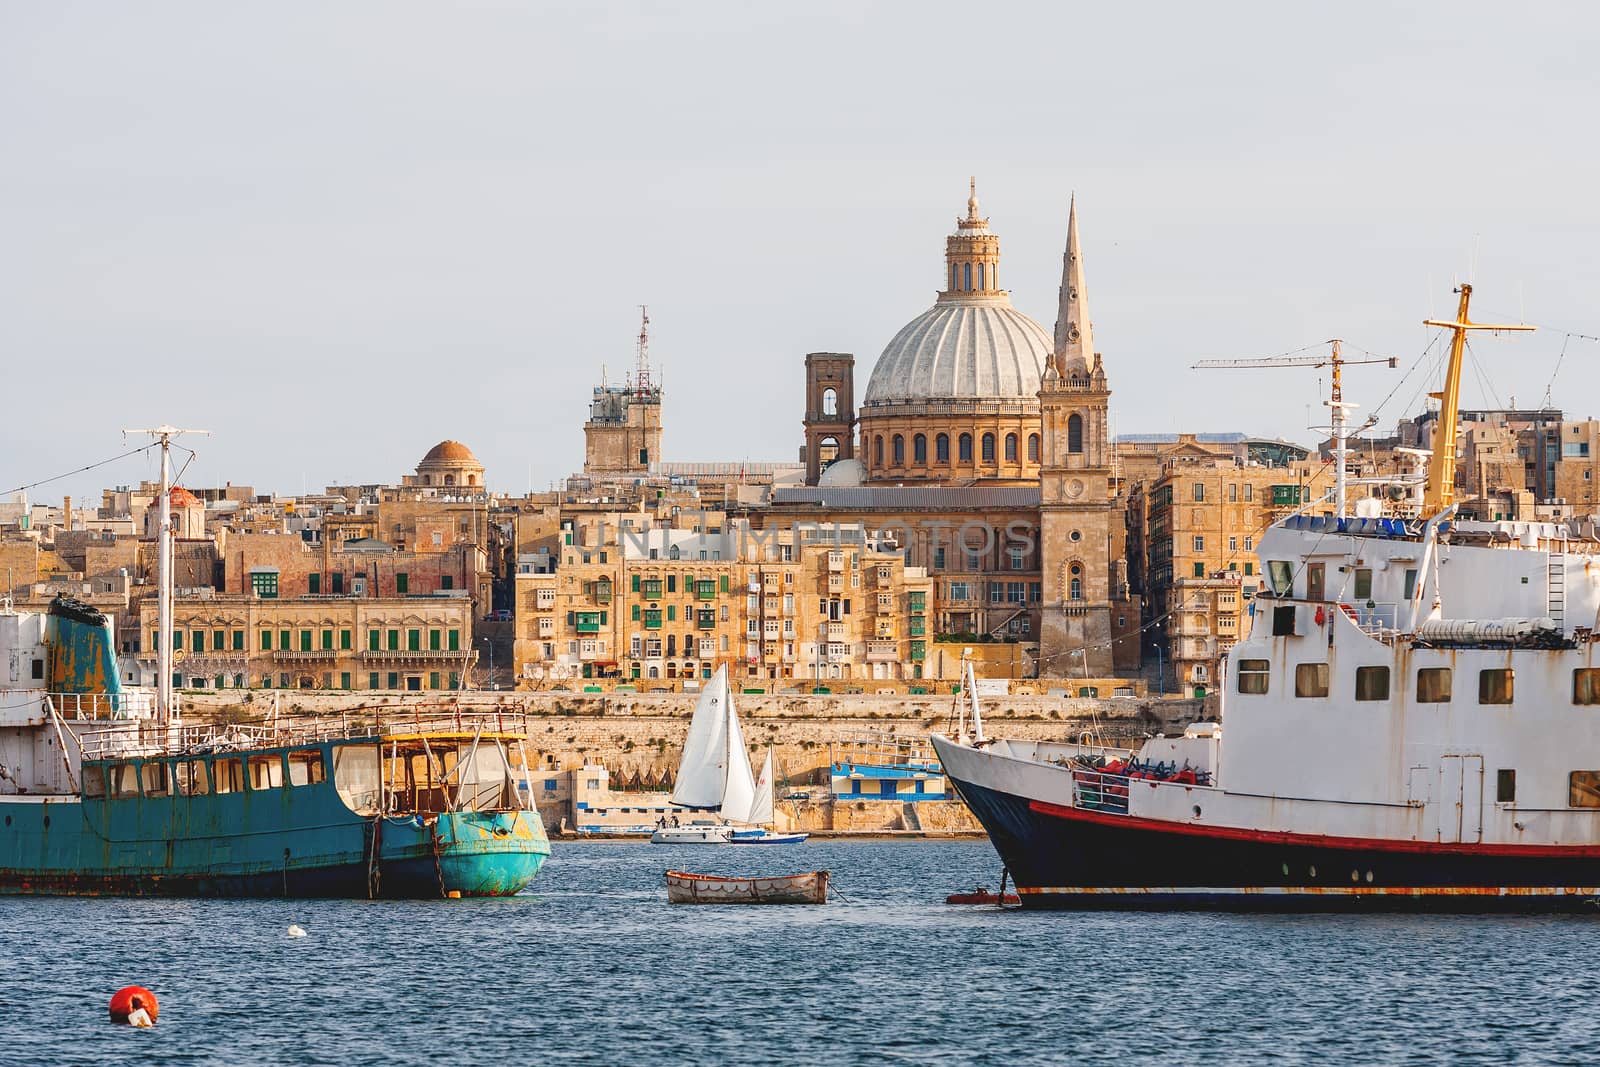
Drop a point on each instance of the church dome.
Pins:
(446, 451)
(973, 349)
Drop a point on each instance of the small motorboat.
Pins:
(759, 836)
(686, 888)
(695, 833)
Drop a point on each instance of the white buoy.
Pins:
(296, 930)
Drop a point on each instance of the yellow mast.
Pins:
(1441, 490)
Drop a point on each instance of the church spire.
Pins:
(972, 200)
(1074, 347)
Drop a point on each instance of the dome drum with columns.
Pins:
(954, 396)
(448, 465)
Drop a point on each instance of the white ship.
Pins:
(1413, 723)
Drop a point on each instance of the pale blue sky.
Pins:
(337, 233)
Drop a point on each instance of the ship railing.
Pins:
(132, 704)
(220, 737)
(1106, 791)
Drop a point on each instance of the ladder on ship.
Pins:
(1556, 587)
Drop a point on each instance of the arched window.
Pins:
(941, 448)
(449, 479)
(1076, 592)
(877, 451)
(964, 448)
(919, 449)
(899, 451)
(1011, 448)
(953, 284)
(966, 276)
(1075, 434)
(980, 275)
(988, 448)
(830, 402)
(1033, 448)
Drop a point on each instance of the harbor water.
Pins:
(592, 965)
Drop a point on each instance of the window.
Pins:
(1017, 556)
(1586, 685)
(1505, 786)
(1199, 570)
(1494, 686)
(344, 640)
(1433, 685)
(941, 448)
(305, 640)
(124, 780)
(1583, 789)
(1280, 575)
(266, 640)
(1075, 434)
(266, 772)
(1310, 679)
(877, 451)
(1411, 584)
(1249, 492)
(306, 767)
(227, 776)
(264, 584)
(988, 448)
(1233, 492)
(1233, 544)
(1363, 583)
(192, 780)
(1372, 683)
(1314, 580)
(155, 779)
(1199, 544)
(899, 450)
(1253, 676)
(315, 586)
(327, 640)
(964, 448)
(1199, 490)
(1011, 448)
(402, 584)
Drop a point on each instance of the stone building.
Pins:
(448, 466)
(623, 435)
(1210, 616)
(224, 641)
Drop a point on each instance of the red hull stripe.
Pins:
(1280, 837)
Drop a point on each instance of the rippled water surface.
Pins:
(593, 966)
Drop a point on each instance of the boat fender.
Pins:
(134, 1005)
(1321, 617)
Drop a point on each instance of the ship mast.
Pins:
(1441, 490)
(164, 436)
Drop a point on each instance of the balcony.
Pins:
(588, 622)
(395, 655)
(652, 619)
(705, 590)
(835, 583)
(836, 561)
(706, 620)
(917, 627)
(837, 631)
(882, 652)
(286, 655)
(917, 602)
(919, 651)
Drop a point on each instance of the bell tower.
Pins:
(1079, 538)
(830, 422)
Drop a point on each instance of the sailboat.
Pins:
(714, 776)
(760, 820)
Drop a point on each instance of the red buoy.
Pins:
(134, 1005)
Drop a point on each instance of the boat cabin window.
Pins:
(1505, 786)
(1583, 789)
(356, 777)
(1253, 675)
(1372, 683)
(1410, 585)
(124, 780)
(1363, 590)
(1315, 572)
(1433, 685)
(227, 775)
(1494, 686)
(266, 772)
(1280, 572)
(155, 780)
(94, 780)
(192, 780)
(1586, 685)
(307, 767)
(1310, 679)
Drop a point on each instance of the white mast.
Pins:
(164, 434)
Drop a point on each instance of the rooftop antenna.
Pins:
(1336, 401)
(164, 436)
(641, 371)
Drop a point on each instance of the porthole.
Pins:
(1355, 876)
(1286, 870)
(1197, 815)
(1313, 871)
(1076, 535)
(1369, 877)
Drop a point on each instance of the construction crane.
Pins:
(1336, 402)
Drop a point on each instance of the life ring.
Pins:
(129, 999)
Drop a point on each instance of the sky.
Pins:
(336, 234)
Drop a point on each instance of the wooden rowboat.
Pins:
(808, 888)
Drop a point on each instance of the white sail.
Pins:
(702, 773)
(739, 788)
(761, 809)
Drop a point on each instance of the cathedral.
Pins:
(985, 438)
